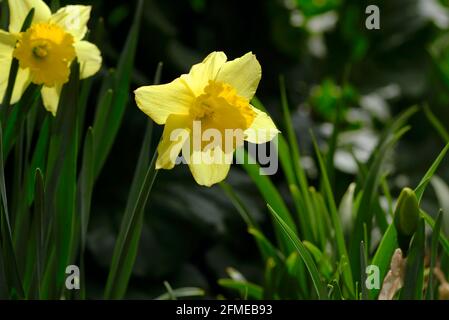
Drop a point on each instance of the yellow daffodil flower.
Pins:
(46, 50)
(214, 95)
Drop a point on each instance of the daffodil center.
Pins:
(220, 107)
(40, 51)
(47, 50)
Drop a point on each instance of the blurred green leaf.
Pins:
(414, 271)
(304, 254)
(250, 290)
(105, 136)
(433, 256)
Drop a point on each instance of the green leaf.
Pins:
(100, 124)
(39, 227)
(270, 194)
(365, 209)
(429, 174)
(188, 292)
(85, 186)
(126, 246)
(304, 254)
(61, 193)
(443, 240)
(442, 193)
(266, 248)
(305, 213)
(250, 290)
(363, 264)
(414, 271)
(4, 15)
(339, 236)
(106, 137)
(438, 126)
(239, 205)
(383, 255)
(84, 199)
(433, 256)
(18, 115)
(7, 248)
(389, 243)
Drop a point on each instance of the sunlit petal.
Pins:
(51, 97)
(262, 129)
(89, 57)
(73, 19)
(200, 74)
(19, 9)
(243, 74)
(160, 101)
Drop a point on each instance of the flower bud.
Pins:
(406, 217)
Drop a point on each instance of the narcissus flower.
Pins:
(207, 114)
(46, 50)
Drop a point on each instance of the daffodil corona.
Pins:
(46, 50)
(207, 115)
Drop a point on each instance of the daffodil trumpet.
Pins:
(207, 115)
(46, 49)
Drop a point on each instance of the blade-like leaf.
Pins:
(126, 246)
(105, 138)
(182, 293)
(433, 257)
(414, 271)
(7, 248)
(250, 290)
(339, 235)
(429, 174)
(304, 254)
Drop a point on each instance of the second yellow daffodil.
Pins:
(46, 50)
(201, 108)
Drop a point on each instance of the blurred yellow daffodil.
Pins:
(46, 50)
(207, 114)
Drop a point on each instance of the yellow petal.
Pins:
(89, 57)
(262, 129)
(243, 74)
(210, 167)
(160, 101)
(51, 96)
(200, 74)
(7, 44)
(73, 19)
(176, 133)
(19, 9)
(23, 80)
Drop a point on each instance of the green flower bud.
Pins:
(406, 217)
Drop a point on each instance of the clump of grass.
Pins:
(312, 257)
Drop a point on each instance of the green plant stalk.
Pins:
(365, 209)
(125, 250)
(105, 138)
(306, 212)
(271, 196)
(335, 218)
(304, 254)
(14, 282)
(433, 256)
